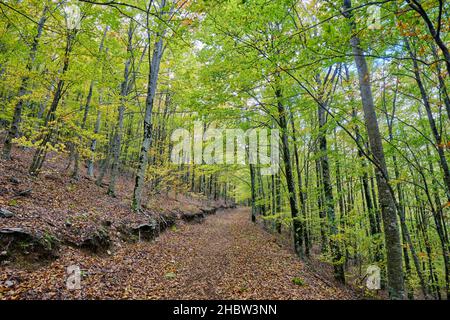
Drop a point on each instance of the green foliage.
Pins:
(231, 64)
(298, 281)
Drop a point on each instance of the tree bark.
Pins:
(296, 222)
(253, 192)
(437, 137)
(41, 151)
(151, 91)
(17, 117)
(90, 163)
(385, 196)
(118, 132)
(338, 264)
(301, 192)
(435, 32)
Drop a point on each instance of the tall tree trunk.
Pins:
(402, 212)
(432, 122)
(385, 195)
(253, 191)
(296, 222)
(443, 89)
(321, 208)
(146, 141)
(277, 199)
(301, 192)
(90, 163)
(435, 32)
(118, 132)
(41, 151)
(107, 160)
(17, 117)
(438, 217)
(87, 106)
(338, 264)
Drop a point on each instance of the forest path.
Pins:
(226, 257)
(229, 257)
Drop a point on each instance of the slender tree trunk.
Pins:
(423, 227)
(106, 162)
(143, 157)
(87, 106)
(439, 223)
(301, 192)
(262, 193)
(434, 130)
(17, 117)
(76, 167)
(321, 208)
(41, 151)
(118, 132)
(277, 194)
(386, 197)
(253, 192)
(296, 223)
(443, 89)
(402, 214)
(90, 164)
(435, 32)
(338, 264)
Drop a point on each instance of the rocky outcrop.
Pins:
(148, 230)
(5, 213)
(97, 242)
(197, 217)
(42, 246)
(209, 210)
(166, 221)
(31, 246)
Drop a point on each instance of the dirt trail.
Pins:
(226, 257)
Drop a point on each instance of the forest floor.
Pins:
(224, 257)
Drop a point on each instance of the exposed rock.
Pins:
(34, 246)
(9, 283)
(126, 233)
(166, 221)
(231, 206)
(193, 217)
(99, 241)
(24, 193)
(5, 213)
(14, 180)
(209, 210)
(15, 231)
(107, 223)
(227, 205)
(146, 232)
